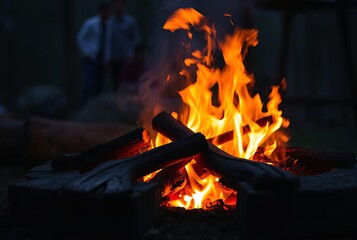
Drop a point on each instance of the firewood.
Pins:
(310, 162)
(172, 178)
(226, 167)
(125, 146)
(116, 177)
(334, 159)
(228, 136)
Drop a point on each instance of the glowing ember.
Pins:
(218, 101)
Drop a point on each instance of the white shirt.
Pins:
(89, 37)
(123, 37)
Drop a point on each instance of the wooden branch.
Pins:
(228, 136)
(226, 167)
(116, 177)
(125, 146)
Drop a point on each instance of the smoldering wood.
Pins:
(312, 161)
(226, 167)
(116, 177)
(304, 161)
(335, 159)
(124, 146)
(46, 139)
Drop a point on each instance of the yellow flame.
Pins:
(183, 18)
(201, 190)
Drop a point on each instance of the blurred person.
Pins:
(92, 40)
(123, 38)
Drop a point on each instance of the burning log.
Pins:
(125, 146)
(226, 167)
(175, 178)
(171, 178)
(115, 177)
(228, 136)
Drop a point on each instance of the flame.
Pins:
(219, 100)
(201, 190)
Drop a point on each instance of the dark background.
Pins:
(37, 45)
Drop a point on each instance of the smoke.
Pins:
(159, 86)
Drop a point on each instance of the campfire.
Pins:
(218, 102)
(220, 148)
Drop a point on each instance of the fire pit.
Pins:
(106, 198)
(221, 148)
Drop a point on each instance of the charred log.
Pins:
(116, 177)
(226, 167)
(125, 146)
(305, 161)
(172, 178)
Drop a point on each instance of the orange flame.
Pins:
(235, 108)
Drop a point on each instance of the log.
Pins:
(116, 177)
(172, 178)
(306, 161)
(106, 201)
(228, 136)
(125, 146)
(229, 169)
(46, 139)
